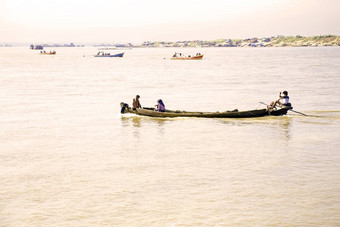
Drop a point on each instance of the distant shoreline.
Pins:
(274, 41)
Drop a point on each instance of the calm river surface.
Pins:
(68, 158)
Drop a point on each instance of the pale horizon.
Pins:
(48, 21)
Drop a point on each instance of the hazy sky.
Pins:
(111, 21)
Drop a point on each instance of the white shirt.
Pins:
(286, 98)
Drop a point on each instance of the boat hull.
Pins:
(110, 56)
(198, 57)
(52, 53)
(228, 114)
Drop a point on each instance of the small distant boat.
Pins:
(48, 53)
(108, 55)
(179, 56)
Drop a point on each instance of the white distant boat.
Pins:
(108, 55)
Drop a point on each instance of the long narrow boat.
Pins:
(197, 57)
(108, 55)
(227, 114)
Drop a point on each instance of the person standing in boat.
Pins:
(135, 103)
(160, 107)
(285, 97)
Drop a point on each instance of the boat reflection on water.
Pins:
(137, 121)
(278, 126)
(142, 123)
(285, 124)
(126, 121)
(270, 120)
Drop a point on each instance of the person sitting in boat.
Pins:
(286, 103)
(124, 106)
(160, 107)
(135, 103)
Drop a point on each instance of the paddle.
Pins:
(289, 110)
(300, 113)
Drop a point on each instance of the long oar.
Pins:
(290, 110)
(300, 113)
(264, 103)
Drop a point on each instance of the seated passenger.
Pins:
(160, 107)
(135, 103)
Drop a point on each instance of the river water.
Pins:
(69, 158)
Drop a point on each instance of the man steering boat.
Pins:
(285, 98)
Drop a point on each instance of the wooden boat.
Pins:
(227, 114)
(197, 57)
(108, 55)
(48, 53)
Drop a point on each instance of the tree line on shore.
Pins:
(274, 41)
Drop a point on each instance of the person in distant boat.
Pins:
(135, 103)
(160, 107)
(284, 97)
